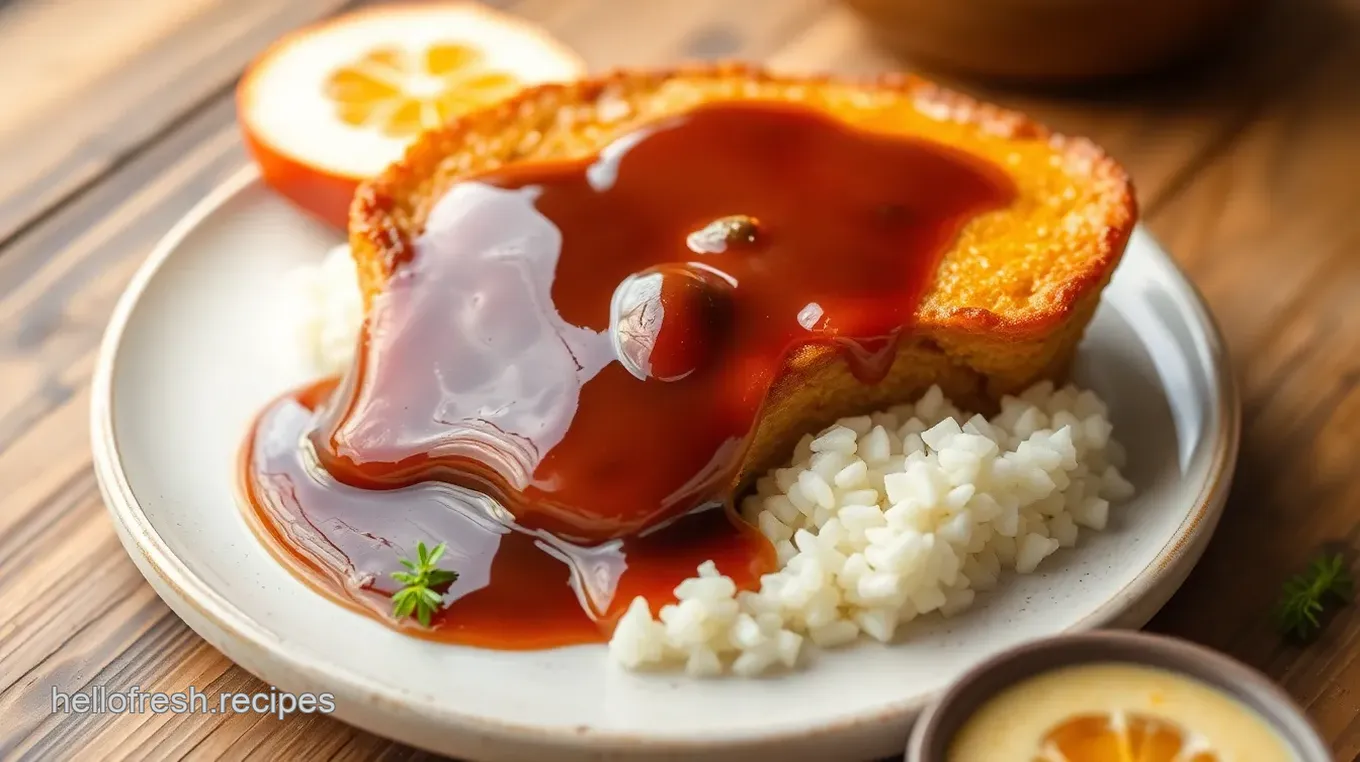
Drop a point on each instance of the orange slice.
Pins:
(330, 105)
(1121, 738)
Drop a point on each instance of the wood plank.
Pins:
(121, 633)
(51, 293)
(87, 81)
(1270, 235)
(59, 279)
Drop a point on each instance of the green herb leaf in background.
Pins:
(1305, 596)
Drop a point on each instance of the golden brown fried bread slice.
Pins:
(1010, 299)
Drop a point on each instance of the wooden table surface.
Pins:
(118, 116)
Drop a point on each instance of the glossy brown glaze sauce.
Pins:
(561, 378)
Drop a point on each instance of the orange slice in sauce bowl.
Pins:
(1121, 737)
(330, 105)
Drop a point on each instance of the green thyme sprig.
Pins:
(420, 578)
(1306, 596)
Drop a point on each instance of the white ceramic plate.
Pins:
(197, 346)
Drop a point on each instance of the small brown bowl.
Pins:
(1047, 41)
(937, 726)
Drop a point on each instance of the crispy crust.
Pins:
(1010, 300)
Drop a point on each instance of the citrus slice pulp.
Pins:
(332, 104)
(1121, 737)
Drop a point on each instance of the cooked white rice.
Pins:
(329, 310)
(880, 519)
(887, 517)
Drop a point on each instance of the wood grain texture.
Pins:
(1270, 234)
(86, 81)
(1248, 168)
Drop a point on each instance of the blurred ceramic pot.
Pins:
(1047, 41)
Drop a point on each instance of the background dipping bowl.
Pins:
(937, 727)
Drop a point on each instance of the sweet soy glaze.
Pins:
(561, 377)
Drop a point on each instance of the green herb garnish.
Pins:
(420, 579)
(1306, 595)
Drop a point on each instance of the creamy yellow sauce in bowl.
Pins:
(1114, 697)
(1115, 713)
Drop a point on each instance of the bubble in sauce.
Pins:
(723, 233)
(666, 321)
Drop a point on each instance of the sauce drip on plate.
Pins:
(561, 377)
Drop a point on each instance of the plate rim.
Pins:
(1131, 607)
